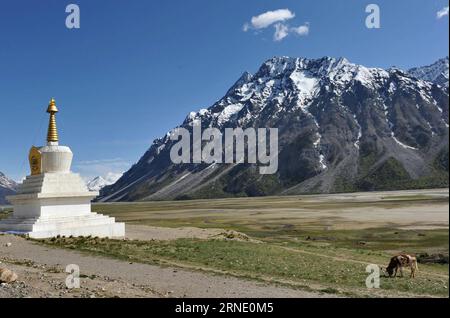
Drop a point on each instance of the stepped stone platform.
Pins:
(54, 204)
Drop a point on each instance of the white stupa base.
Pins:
(55, 204)
(92, 224)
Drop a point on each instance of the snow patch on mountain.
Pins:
(402, 144)
(305, 83)
(228, 112)
(358, 139)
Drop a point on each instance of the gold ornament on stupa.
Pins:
(35, 159)
(52, 135)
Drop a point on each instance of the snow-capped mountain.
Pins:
(435, 73)
(99, 182)
(7, 187)
(342, 127)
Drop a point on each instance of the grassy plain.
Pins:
(319, 242)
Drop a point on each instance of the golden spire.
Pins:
(52, 135)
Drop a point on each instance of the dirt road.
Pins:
(41, 274)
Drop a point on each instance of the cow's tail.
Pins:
(416, 264)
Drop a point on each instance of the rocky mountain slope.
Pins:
(7, 187)
(342, 127)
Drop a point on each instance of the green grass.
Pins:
(5, 214)
(392, 175)
(303, 264)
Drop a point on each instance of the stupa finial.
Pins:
(52, 135)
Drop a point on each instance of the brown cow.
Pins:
(400, 261)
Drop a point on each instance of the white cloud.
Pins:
(281, 31)
(99, 161)
(268, 18)
(278, 19)
(442, 13)
(302, 30)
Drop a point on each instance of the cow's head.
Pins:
(390, 270)
(387, 272)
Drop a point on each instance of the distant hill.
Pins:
(7, 187)
(98, 183)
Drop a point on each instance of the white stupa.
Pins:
(54, 201)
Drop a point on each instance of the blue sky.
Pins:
(136, 68)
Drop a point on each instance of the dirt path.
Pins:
(41, 274)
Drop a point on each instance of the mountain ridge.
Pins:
(438, 72)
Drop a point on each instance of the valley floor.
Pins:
(299, 246)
